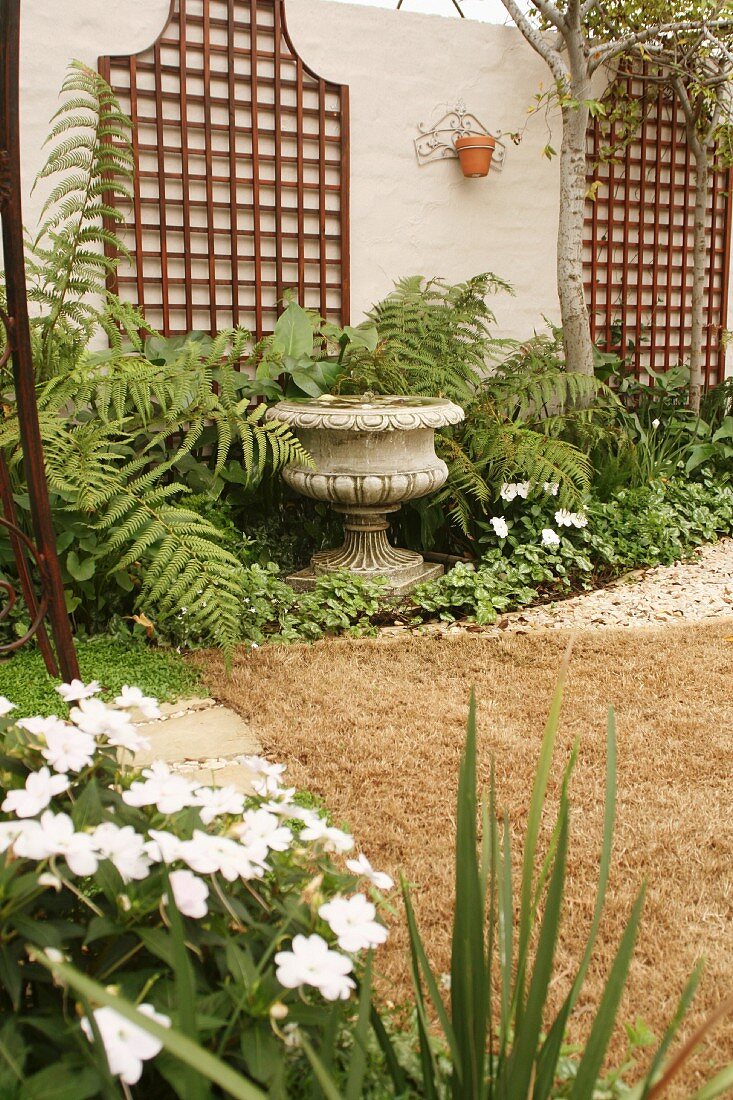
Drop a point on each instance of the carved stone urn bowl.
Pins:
(370, 455)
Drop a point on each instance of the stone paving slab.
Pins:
(197, 734)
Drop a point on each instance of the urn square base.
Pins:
(305, 579)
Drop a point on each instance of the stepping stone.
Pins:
(198, 733)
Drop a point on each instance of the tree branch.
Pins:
(537, 40)
(621, 45)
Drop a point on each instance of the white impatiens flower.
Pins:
(263, 826)
(76, 690)
(40, 787)
(68, 749)
(563, 518)
(9, 833)
(500, 526)
(655, 423)
(96, 718)
(216, 801)
(332, 839)
(189, 893)
(54, 835)
(41, 727)
(126, 1045)
(311, 962)
(163, 847)
(551, 487)
(132, 697)
(523, 488)
(162, 788)
(352, 922)
(268, 777)
(579, 519)
(211, 854)
(124, 848)
(508, 491)
(550, 537)
(362, 867)
(5, 706)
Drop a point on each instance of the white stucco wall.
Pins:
(400, 67)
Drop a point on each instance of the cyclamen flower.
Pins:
(500, 526)
(162, 788)
(189, 893)
(76, 690)
(362, 867)
(550, 537)
(40, 787)
(132, 697)
(124, 848)
(311, 962)
(352, 921)
(333, 840)
(5, 706)
(216, 801)
(551, 487)
(126, 1045)
(68, 749)
(54, 835)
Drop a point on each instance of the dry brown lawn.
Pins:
(377, 727)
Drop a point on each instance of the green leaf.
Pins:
(80, 570)
(293, 332)
(61, 1082)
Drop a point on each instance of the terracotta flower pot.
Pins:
(475, 152)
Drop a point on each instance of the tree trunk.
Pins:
(573, 309)
(699, 258)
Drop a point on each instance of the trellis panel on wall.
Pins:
(638, 242)
(242, 156)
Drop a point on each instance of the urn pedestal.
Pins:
(371, 454)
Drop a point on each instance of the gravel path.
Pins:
(689, 591)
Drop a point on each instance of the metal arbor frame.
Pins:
(49, 603)
(242, 172)
(638, 241)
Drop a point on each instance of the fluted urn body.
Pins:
(370, 454)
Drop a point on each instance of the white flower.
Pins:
(162, 788)
(124, 848)
(5, 706)
(334, 840)
(76, 690)
(209, 854)
(164, 847)
(579, 519)
(132, 697)
(523, 488)
(68, 749)
(563, 518)
(54, 835)
(500, 526)
(655, 423)
(508, 491)
(40, 787)
(53, 882)
(9, 833)
(217, 801)
(311, 962)
(268, 775)
(352, 922)
(550, 537)
(362, 867)
(126, 1045)
(189, 893)
(96, 718)
(41, 727)
(263, 826)
(551, 487)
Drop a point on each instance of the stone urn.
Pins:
(371, 454)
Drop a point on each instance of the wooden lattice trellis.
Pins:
(242, 157)
(638, 242)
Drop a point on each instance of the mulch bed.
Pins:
(377, 726)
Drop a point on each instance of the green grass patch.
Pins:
(158, 672)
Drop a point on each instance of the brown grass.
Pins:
(377, 728)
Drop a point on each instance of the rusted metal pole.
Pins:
(19, 344)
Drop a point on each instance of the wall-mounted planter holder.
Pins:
(460, 134)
